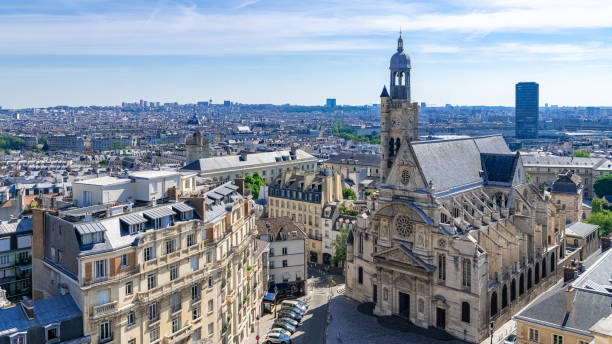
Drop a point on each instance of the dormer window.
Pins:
(52, 333)
(19, 338)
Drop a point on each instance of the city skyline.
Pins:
(463, 52)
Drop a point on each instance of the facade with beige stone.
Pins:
(301, 196)
(166, 272)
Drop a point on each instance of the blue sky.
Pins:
(467, 52)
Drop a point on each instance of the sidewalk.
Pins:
(501, 333)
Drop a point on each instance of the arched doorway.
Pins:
(513, 290)
(544, 267)
(522, 284)
(504, 297)
(537, 273)
(493, 304)
(552, 262)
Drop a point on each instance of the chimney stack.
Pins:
(28, 307)
(239, 181)
(173, 194)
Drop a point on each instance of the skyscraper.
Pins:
(526, 111)
(330, 102)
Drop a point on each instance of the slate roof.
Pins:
(567, 183)
(498, 167)
(47, 311)
(280, 225)
(560, 161)
(587, 309)
(21, 225)
(220, 163)
(358, 159)
(580, 229)
(455, 164)
(384, 92)
(598, 277)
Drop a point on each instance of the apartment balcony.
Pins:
(105, 309)
(179, 335)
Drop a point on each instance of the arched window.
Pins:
(504, 297)
(537, 273)
(543, 267)
(493, 304)
(360, 275)
(522, 284)
(455, 212)
(513, 290)
(529, 279)
(465, 312)
(443, 218)
(552, 262)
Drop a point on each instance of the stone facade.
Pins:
(459, 237)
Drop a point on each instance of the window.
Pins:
(557, 339)
(149, 253)
(18, 338)
(465, 312)
(4, 260)
(271, 264)
(210, 281)
(360, 275)
(210, 328)
(124, 260)
(271, 253)
(195, 292)
(284, 250)
(534, 335)
(210, 306)
(195, 263)
(190, 239)
(174, 272)
(52, 333)
(176, 324)
(175, 302)
(128, 288)
(154, 334)
(170, 246)
(100, 269)
(284, 263)
(104, 331)
(151, 281)
(132, 341)
(195, 312)
(153, 315)
(130, 318)
(467, 273)
(442, 267)
(208, 258)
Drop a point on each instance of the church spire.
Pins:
(400, 42)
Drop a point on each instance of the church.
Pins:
(459, 240)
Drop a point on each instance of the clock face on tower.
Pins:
(395, 123)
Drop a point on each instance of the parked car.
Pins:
(511, 339)
(277, 338)
(295, 303)
(280, 330)
(286, 313)
(284, 326)
(290, 321)
(294, 310)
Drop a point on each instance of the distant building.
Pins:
(345, 163)
(227, 103)
(288, 268)
(197, 147)
(526, 112)
(65, 142)
(330, 102)
(268, 165)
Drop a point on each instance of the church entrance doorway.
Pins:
(404, 305)
(440, 317)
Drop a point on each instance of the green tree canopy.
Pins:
(254, 182)
(603, 185)
(339, 130)
(11, 143)
(348, 193)
(581, 153)
(339, 245)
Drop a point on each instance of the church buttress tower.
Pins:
(399, 117)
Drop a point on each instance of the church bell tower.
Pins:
(399, 117)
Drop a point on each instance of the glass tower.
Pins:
(526, 111)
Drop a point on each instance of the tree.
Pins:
(599, 204)
(603, 219)
(254, 182)
(581, 153)
(348, 193)
(339, 245)
(528, 176)
(603, 185)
